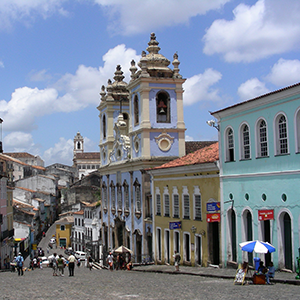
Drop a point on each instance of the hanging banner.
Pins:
(213, 218)
(266, 214)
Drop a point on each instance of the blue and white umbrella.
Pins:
(257, 246)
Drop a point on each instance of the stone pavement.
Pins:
(225, 273)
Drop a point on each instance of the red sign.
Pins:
(213, 218)
(266, 214)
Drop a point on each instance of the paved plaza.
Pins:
(104, 284)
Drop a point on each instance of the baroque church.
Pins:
(141, 127)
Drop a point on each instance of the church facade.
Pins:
(141, 127)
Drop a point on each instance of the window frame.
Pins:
(245, 145)
(195, 194)
(157, 203)
(277, 132)
(185, 194)
(261, 138)
(229, 151)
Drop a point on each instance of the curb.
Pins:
(282, 281)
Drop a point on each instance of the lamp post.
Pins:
(212, 123)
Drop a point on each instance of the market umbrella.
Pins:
(122, 249)
(257, 246)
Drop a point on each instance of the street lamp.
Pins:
(212, 123)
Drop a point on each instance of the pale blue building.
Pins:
(260, 176)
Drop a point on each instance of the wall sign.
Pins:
(213, 206)
(266, 214)
(213, 217)
(174, 225)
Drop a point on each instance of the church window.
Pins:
(119, 188)
(163, 107)
(113, 195)
(126, 195)
(136, 110)
(137, 195)
(104, 127)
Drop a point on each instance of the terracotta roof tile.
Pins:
(192, 146)
(207, 154)
(88, 155)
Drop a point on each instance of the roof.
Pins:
(88, 155)
(87, 204)
(20, 155)
(80, 212)
(9, 157)
(256, 98)
(64, 220)
(207, 154)
(192, 146)
(21, 204)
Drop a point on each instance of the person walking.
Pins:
(61, 265)
(54, 264)
(177, 259)
(71, 265)
(110, 261)
(20, 262)
(90, 261)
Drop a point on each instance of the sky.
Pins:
(56, 54)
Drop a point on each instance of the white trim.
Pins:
(226, 148)
(166, 193)
(185, 191)
(197, 192)
(185, 233)
(165, 245)
(276, 133)
(276, 173)
(241, 141)
(297, 129)
(257, 137)
(175, 193)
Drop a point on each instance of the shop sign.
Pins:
(175, 225)
(213, 217)
(266, 214)
(213, 206)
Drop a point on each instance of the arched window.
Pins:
(281, 135)
(229, 145)
(104, 127)
(245, 142)
(262, 139)
(136, 110)
(163, 107)
(137, 186)
(297, 124)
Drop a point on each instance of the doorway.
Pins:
(287, 241)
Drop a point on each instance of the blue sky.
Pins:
(56, 54)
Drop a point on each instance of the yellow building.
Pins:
(186, 205)
(64, 231)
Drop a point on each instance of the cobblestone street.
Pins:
(103, 284)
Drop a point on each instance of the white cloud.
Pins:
(189, 138)
(62, 152)
(26, 10)
(136, 16)
(39, 75)
(252, 88)
(285, 72)
(70, 93)
(1, 64)
(199, 87)
(19, 142)
(266, 28)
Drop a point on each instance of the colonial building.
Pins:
(84, 162)
(64, 231)
(186, 208)
(141, 126)
(259, 175)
